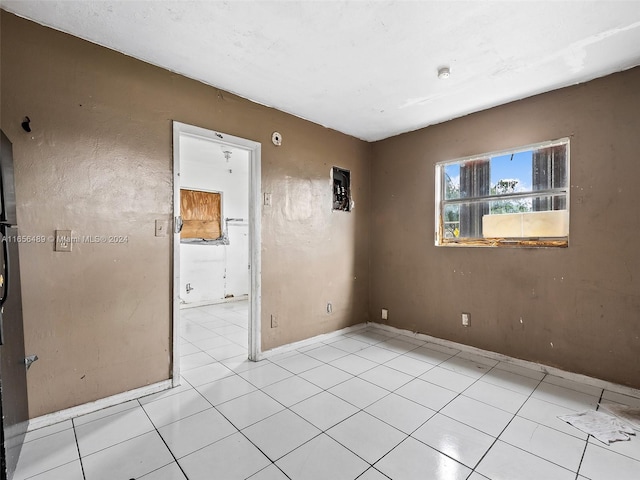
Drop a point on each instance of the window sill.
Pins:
(506, 242)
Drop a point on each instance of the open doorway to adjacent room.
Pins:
(216, 250)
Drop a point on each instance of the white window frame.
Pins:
(441, 202)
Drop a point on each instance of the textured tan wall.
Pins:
(99, 161)
(579, 306)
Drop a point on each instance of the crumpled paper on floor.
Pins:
(630, 415)
(602, 426)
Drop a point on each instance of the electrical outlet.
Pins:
(274, 321)
(466, 319)
(385, 314)
(267, 200)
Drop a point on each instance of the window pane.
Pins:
(451, 221)
(452, 181)
(511, 173)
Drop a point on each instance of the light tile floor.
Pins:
(369, 405)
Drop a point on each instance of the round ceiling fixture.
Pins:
(444, 72)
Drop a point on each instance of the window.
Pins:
(201, 215)
(518, 198)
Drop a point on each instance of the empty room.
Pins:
(308, 240)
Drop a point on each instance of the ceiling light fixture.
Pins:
(444, 72)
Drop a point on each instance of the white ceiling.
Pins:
(365, 68)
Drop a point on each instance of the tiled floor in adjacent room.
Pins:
(368, 405)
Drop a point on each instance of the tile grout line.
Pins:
(586, 443)
(505, 427)
(165, 444)
(75, 435)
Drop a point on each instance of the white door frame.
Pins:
(255, 206)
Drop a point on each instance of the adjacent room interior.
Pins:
(383, 304)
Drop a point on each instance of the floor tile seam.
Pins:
(440, 362)
(384, 388)
(599, 396)
(75, 435)
(369, 465)
(521, 392)
(395, 349)
(447, 367)
(73, 423)
(183, 370)
(79, 459)
(550, 427)
(154, 429)
(446, 454)
(574, 390)
(231, 399)
(269, 384)
(360, 457)
(584, 452)
(346, 371)
(494, 406)
(283, 455)
(47, 435)
(505, 428)
(376, 361)
(557, 404)
(428, 446)
(271, 464)
(298, 373)
(168, 449)
(181, 418)
(604, 447)
(385, 476)
(538, 456)
(466, 425)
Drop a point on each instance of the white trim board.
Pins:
(576, 377)
(73, 412)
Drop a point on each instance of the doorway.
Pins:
(216, 241)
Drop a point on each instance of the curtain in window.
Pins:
(475, 181)
(549, 166)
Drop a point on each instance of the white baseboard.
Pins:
(577, 377)
(73, 412)
(308, 341)
(69, 413)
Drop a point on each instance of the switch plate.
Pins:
(466, 319)
(385, 314)
(63, 241)
(274, 321)
(267, 199)
(162, 228)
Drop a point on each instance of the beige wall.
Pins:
(99, 161)
(580, 306)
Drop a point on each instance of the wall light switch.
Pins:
(162, 228)
(63, 241)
